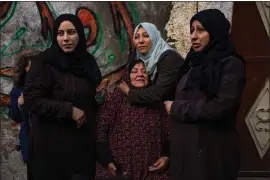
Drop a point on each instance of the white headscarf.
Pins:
(158, 47)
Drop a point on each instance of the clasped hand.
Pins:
(79, 116)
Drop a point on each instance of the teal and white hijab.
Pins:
(159, 46)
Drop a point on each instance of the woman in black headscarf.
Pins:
(60, 93)
(204, 136)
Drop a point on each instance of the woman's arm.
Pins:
(14, 112)
(107, 114)
(37, 93)
(227, 99)
(168, 70)
(166, 129)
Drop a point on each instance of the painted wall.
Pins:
(109, 31)
(28, 25)
(108, 27)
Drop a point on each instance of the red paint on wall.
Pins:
(90, 22)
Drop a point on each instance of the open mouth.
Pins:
(140, 80)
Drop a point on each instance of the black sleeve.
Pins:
(166, 148)
(166, 129)
(227, 99)
(168, 68)
(37, 93)
(104, 153)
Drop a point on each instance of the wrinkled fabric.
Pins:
(206, 65)
(204, 140)
(136, 138)
(163, 87)
(58, 149)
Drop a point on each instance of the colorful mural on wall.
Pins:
(108, 28)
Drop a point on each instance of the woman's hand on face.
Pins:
(79, 116)
(112, 169)
(168, 105)
(21, 100)
(160, 164)
(124, 87)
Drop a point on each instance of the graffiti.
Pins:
(46, 19)
(6, 71)
(90, 23)
(5, 100)
(109, 34)
(4, 9)
(120, 15)
(47, 25)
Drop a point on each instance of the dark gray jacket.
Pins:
(168, 67)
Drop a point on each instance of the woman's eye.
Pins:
(71, 32)
(60, 33)
(145, 35)
(201, 29)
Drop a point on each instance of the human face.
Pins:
(139, 76)
(142, 41)
(27, 68)
(67, 36)
(199, 36)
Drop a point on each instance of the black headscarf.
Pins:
(206, 64)
(130, 66)
(79, 61)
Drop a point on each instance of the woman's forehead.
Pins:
(66, 24)
(141, 29)
(139, 64)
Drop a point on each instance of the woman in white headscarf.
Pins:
(162, 63)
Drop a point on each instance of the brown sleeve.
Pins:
(226, 102)
(168, 68)
(37, 93)
(107, 115)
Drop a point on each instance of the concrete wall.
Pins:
(27, 25)
(108, 27)
(181, 13)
